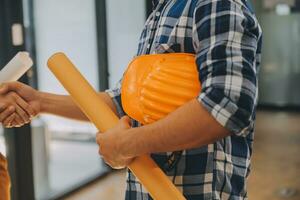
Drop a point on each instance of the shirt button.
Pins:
(157, 14)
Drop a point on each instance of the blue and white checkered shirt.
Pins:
(226, 38)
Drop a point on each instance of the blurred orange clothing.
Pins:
(4, 179)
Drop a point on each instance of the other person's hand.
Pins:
(14, 110)
(18, 97)
(112, 147)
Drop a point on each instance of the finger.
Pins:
(11, 86)
(100, 152)
(3, 88)
(6, 113)
(125, 122)
(19, 121)
(8, 121)
(3, 106)
(14, 123)
(98, 138)
(25, 106)
(108, 163)
(19, 110)
(128, 161)
(22, 114)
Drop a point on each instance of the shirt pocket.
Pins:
(161, 48)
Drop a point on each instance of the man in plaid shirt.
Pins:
(208, 141)
(226, 38)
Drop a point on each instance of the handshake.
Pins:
(19, 104)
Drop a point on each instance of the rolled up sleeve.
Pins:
(115, 94)
(226, 36)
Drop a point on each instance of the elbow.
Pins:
(234, 110)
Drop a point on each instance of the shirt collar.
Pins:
(155, 2)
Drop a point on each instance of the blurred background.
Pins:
(55, 158)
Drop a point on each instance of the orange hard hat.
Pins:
(155, 85)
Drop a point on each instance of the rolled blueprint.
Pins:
(16, 68)
(145, 169)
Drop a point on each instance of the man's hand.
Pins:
(20, 98)
(111, 145)
(14, 111)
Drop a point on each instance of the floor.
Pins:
(63, 164)
(276, 160)
(275, 163)
(71, 162)
(112, 187)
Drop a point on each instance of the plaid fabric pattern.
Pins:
(226, 39)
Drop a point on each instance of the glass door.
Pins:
(280, 69)
(65, 151)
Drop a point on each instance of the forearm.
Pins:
(63, 105)
(188, 127)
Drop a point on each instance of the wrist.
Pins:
(43, 100)
(129, 144)
(136, 142)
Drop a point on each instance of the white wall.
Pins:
(125, 20)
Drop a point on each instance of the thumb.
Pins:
(11, 86)
(99, 138)
(125, 122)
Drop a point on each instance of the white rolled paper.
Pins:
(16, 68)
